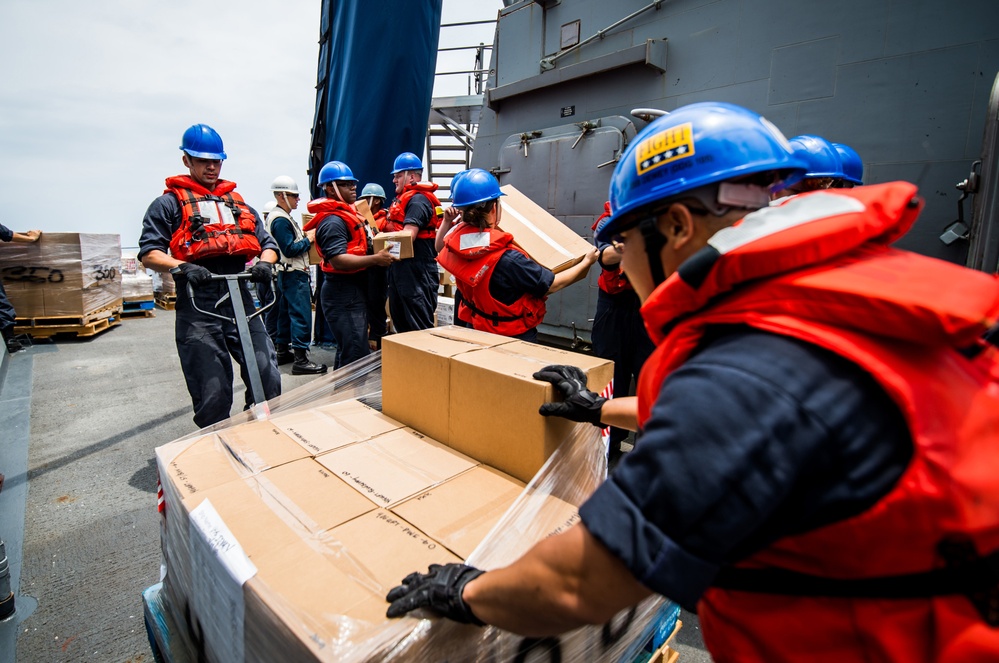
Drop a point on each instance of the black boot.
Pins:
(303, 366)
(284, 355)
(13, 345)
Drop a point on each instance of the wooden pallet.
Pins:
(88, 324)
(166, 300)
(666, 654)
(143, 308)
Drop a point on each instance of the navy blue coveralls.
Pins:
(344, 296)
(413, 283)
(204, 343)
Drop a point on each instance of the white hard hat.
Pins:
(284, 183)
(268, 208)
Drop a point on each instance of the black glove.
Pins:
(195, 274)
(439, 589)
(579, 403)
(261, 272)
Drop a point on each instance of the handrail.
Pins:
(456, 25)
(465, 48)
(549, 62)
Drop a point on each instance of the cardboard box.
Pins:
(461, 511)
(261, 445)
(399, 243)
(204, 463)
(385, 548)
(547, 240)
(314, 258)
(444, 315)
(416, 374)
(312, 495)
(396, 465)
(66, 274)
(362, 206)
(494, 402)
(330, 427)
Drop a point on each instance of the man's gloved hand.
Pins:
(195, 274)
(261, 272)
(579, 404)
(439, 589)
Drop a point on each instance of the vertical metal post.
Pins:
(243, 327)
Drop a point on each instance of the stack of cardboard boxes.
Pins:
(283, 536)
(71, 275)
(136, 285)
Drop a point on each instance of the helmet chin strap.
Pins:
(654, 243)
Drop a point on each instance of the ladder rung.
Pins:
(448, 148)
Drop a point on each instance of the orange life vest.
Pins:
(471, 254)
(357, 245)
(612, 280)
(819, 268)
(381, 220)
(213, 223)
(397, 210)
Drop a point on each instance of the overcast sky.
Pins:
(96, 95)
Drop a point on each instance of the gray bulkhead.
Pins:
(906, 84)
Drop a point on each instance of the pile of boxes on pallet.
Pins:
(136, 284)
(62, 274)
(282, 536)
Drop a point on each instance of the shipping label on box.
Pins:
(445, 311)
(547, 240)
(416, 374)
(396, 465)
(399, 243)
(461, 511)
(330, 427)
(507, 432)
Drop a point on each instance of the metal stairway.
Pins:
(450, 139)
(454, 120)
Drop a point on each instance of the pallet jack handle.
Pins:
(242, 321)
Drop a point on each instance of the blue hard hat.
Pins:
(372, 189)
(691, 147)
(336, 171)
(474, 186)
(406, 161)
(820, 155)
(853, 166)
(203, 142)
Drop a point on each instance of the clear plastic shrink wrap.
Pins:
(285, 527)
(136, 284)
(163, 283)
(62, 274)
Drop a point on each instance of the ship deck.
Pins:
(80, 418)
